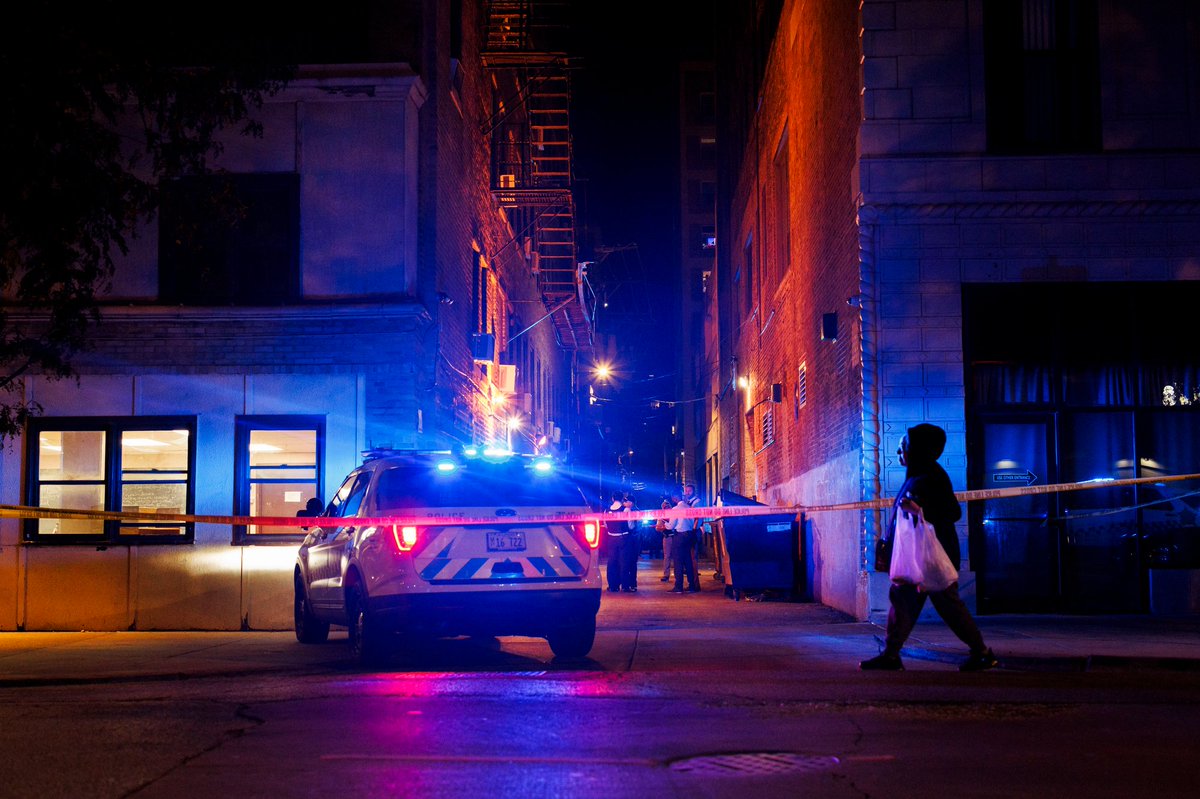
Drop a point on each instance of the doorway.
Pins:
(1017, 551)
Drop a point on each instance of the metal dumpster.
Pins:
(762, 552)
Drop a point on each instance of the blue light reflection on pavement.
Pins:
(520, 684)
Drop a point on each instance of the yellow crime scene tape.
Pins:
(706, 512)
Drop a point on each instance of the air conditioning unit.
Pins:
(506, 377)
(483, 347)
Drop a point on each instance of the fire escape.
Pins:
(531, 156)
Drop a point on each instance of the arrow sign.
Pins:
(1028, 477)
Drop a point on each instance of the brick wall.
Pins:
(459, 217)
(816, 120)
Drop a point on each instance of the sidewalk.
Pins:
(1070, 643)
(1022, 642)
(1027, 642)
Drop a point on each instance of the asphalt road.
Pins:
(684, 696)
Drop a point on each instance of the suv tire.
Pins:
(575, 640)
(309, 629)
(366, 639)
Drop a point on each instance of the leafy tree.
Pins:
(102, 102)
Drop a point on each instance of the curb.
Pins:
(1049, 663)
(1067, 663)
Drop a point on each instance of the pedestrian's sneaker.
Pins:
(695, 589)
(676, 590)
(980, 661)
(664, 580)
(883, 662)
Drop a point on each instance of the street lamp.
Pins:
(625, 466)
(514, 423)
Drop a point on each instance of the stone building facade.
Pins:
(375, 302)
(982, 215)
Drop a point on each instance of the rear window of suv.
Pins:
(476, 485)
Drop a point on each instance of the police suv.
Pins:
(484, 554)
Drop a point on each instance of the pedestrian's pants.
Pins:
(907, 602)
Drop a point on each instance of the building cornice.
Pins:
(356, 81)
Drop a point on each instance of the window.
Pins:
(800, 396)
(456, 29)
(230, 240)
(279, 468)
(477, 485)
(134, 465)
(1098, 345)
(781, 227)
(699, 96)
(702, 241)
(748, 276)
(708, 196)
(479, 294)
(768, 428)
(1042, 75)
(349, 497)
(456, 41)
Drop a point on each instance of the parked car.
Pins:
(486, 557)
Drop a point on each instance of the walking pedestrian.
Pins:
(927, 489)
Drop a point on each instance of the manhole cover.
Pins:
(742, 764)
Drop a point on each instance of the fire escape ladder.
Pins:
(507, 28)
(530, 133)
(558, 272)
(550, 133)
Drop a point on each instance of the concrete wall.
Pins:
(356, 154)
(208, 584)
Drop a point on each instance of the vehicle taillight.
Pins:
(406, 537)
(591, 533)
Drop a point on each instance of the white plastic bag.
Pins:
(917, 556)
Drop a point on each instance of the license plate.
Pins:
(506, 541)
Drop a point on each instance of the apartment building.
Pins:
(403, 276)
